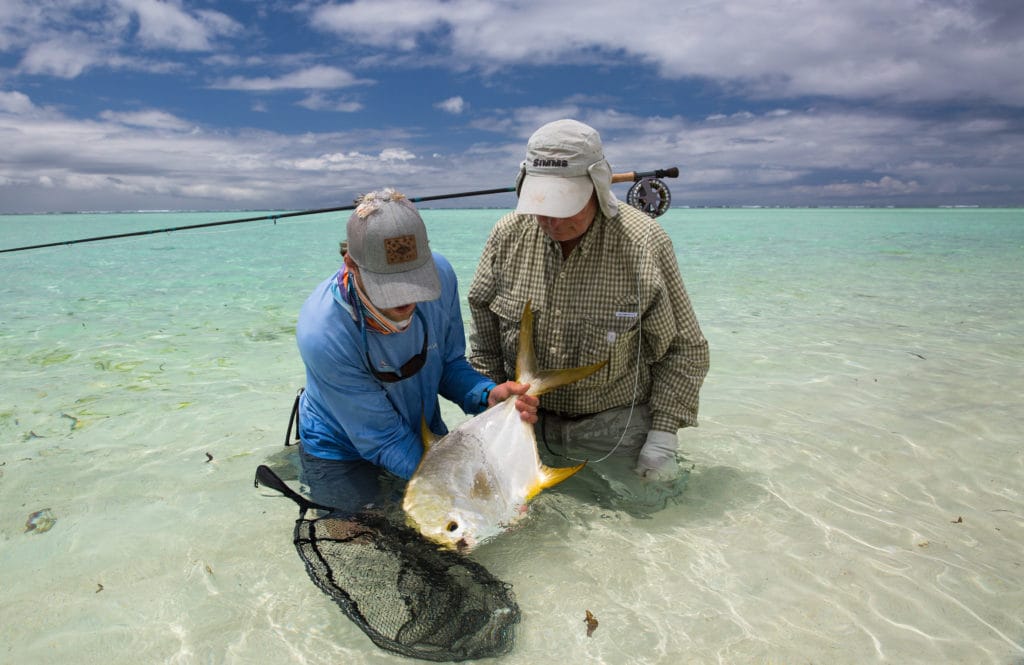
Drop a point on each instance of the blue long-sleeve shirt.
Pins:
(348, 414)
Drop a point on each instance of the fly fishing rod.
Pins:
(618, 177)
(243, 220)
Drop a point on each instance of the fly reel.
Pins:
(648, 192)
(650, 195)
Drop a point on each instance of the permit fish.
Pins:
(474, 483)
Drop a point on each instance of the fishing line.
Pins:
(650, 195)
(639, 350)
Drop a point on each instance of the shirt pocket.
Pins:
(509, 311)
(611, 336)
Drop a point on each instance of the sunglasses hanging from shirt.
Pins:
(411, 366)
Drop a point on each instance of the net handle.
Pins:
(266, 477)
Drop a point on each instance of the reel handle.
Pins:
(634, 176)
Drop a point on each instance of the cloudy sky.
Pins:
(266, 104)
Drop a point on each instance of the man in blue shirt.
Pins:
(381, 339)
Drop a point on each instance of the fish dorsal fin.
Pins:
(426, 435)
(550, 476)
(526, 362)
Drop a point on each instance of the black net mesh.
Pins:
(405, 594)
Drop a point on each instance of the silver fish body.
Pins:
(475, 482)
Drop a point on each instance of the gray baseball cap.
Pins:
(388, 241)
(564, 165)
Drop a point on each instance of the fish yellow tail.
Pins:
(542, 381)
(551, 476)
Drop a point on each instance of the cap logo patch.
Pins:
(564, 163)
(400, 249)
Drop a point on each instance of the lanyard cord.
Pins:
(357, 304)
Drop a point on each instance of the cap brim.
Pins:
(402, 288)
(553, 196)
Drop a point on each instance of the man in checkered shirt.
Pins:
(604, 285)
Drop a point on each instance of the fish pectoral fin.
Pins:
(550, 476)
(426, 435)
(526, 362)
(550, 379)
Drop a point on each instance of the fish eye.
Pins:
(452, 526)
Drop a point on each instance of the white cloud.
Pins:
(967, 53)
(130, 161)
(755, 158)
(65, 39)
(331, 162)
(396, 155)
(890, 185)
(395, 24)
(152, 118)
(454, 105)
(317, 77)
(166, 25)
(15, 102)
(65, 58)
(789, 48)
(319, 102)
(785, 49)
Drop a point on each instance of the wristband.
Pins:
(485, 396)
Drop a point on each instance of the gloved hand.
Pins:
(657, 458)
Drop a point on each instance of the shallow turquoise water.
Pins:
(856, 493)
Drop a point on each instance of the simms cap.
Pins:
(564, 165)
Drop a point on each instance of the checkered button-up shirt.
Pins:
(617, 297)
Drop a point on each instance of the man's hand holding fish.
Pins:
(526, 404)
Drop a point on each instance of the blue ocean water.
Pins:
(856, 490)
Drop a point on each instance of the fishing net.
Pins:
(407, 596)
